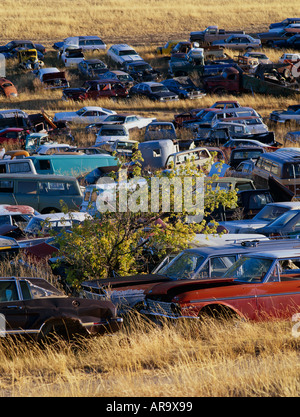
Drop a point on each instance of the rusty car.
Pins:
(33, 306)
(259, 286)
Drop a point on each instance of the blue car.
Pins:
(289, 43)
(183, 87)
(91, 68)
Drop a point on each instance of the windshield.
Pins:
(127, 52)
(285, 218)
(125, 77)
(249, 269)
(112, 132)
(270, 213)
(183, 266)
(140, 67)
(98, 65)
(80, 112)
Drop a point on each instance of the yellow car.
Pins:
(167, 48)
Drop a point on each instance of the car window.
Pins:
(19, 167)
(8, 291)
(35, 291)
(27, 187)
(6, 186)
(219, 265)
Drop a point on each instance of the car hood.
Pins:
(131, 58)
(120, 282)
(65, 115)
(242, 225)
(180, 286)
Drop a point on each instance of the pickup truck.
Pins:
(234, 80)
(181, 66)
(211, 34)
(71, 55)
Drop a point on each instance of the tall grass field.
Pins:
(212, 359)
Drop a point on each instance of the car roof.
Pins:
(16, 209)
(279, 253)
(93, 108)
(264, 247)
(92, 61)
(284, 155)
(113, 126)
(59, 216)
(41, 177)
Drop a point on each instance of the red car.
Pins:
(258, 286)
(94, 89)
(7, 88)
(13, 134)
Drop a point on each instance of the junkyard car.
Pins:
(91, 68)
(110, 133)
(285, 116)
(290, 43)
(259, 286)
(287, 225)
(11, 48)
(86, 43)
(32, 306)
(52, 78)
(206, 262)
(95, 89)
(260, 56)
(183, 87)
(16, 215)
(7, 88)
(141, 71)
(269, 213)
(167, 48)
(153, 91)
(28, 59)
(130, 121)
(239, 42)
(71, 56)
(121, 53)
(118, 75)
(88, 114)
(43, 223)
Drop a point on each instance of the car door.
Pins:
(26, 193)
(12, 309)
(7, 192)
(280, 297)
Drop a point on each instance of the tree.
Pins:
(126, 240)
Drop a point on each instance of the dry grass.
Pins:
(144, 360)
(139, 21)
(216, 359)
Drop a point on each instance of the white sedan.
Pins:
(85, 115)
(130, 121)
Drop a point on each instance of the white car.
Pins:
(71, 55)
(110, 133)
(130, 121)
(51, 148)
(52, 77)
(260, 56)
(121, 53)
(289, 57)
(43, 223)
(85, 115)
(285, 116)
